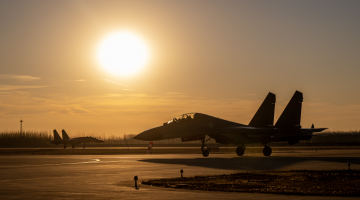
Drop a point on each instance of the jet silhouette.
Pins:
(74, 141)
(261, 129)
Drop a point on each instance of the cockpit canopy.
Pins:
(183, 117)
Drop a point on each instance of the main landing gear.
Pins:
(64, 146)
(73, 146)
(267, 150)
(240, 150)
(205, 152)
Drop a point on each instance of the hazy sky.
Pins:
(215, 57)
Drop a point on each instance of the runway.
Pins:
(111, 177)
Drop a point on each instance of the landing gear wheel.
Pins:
(205, 153)
(64, 146)
(73, 146)
(267, 151)
(240, 150)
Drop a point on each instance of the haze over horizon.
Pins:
(219, 58)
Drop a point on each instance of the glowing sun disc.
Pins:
(122, 53)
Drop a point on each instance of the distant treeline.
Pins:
(40, 139)
(336, 137)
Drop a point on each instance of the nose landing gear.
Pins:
(267, 150)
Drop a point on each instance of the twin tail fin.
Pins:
(264, 117)
(56, 135)
(291, 116)
(65, 135)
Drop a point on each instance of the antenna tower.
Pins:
(21, 121)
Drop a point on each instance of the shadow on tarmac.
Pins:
(252, 163)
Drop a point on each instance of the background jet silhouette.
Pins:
(75, 141)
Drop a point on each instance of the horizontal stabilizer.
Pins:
(256, 132)
(304, 132)
(319, 129)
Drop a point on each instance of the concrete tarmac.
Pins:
(111, 177)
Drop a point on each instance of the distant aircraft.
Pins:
(75, 141)
(196, 126)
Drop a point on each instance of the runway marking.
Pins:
(92, 161)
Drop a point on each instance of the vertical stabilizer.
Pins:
(264, 117)
(65, 135)
(56, 135)
(291, 116)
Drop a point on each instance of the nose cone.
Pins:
(151, 134)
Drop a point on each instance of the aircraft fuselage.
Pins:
(223, 131)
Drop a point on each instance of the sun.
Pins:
(122, 53)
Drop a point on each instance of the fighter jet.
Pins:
(261, 129)
(75, 141)
(79, 140)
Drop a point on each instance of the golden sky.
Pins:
(215, 57)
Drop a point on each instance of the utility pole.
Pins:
(21, 121)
